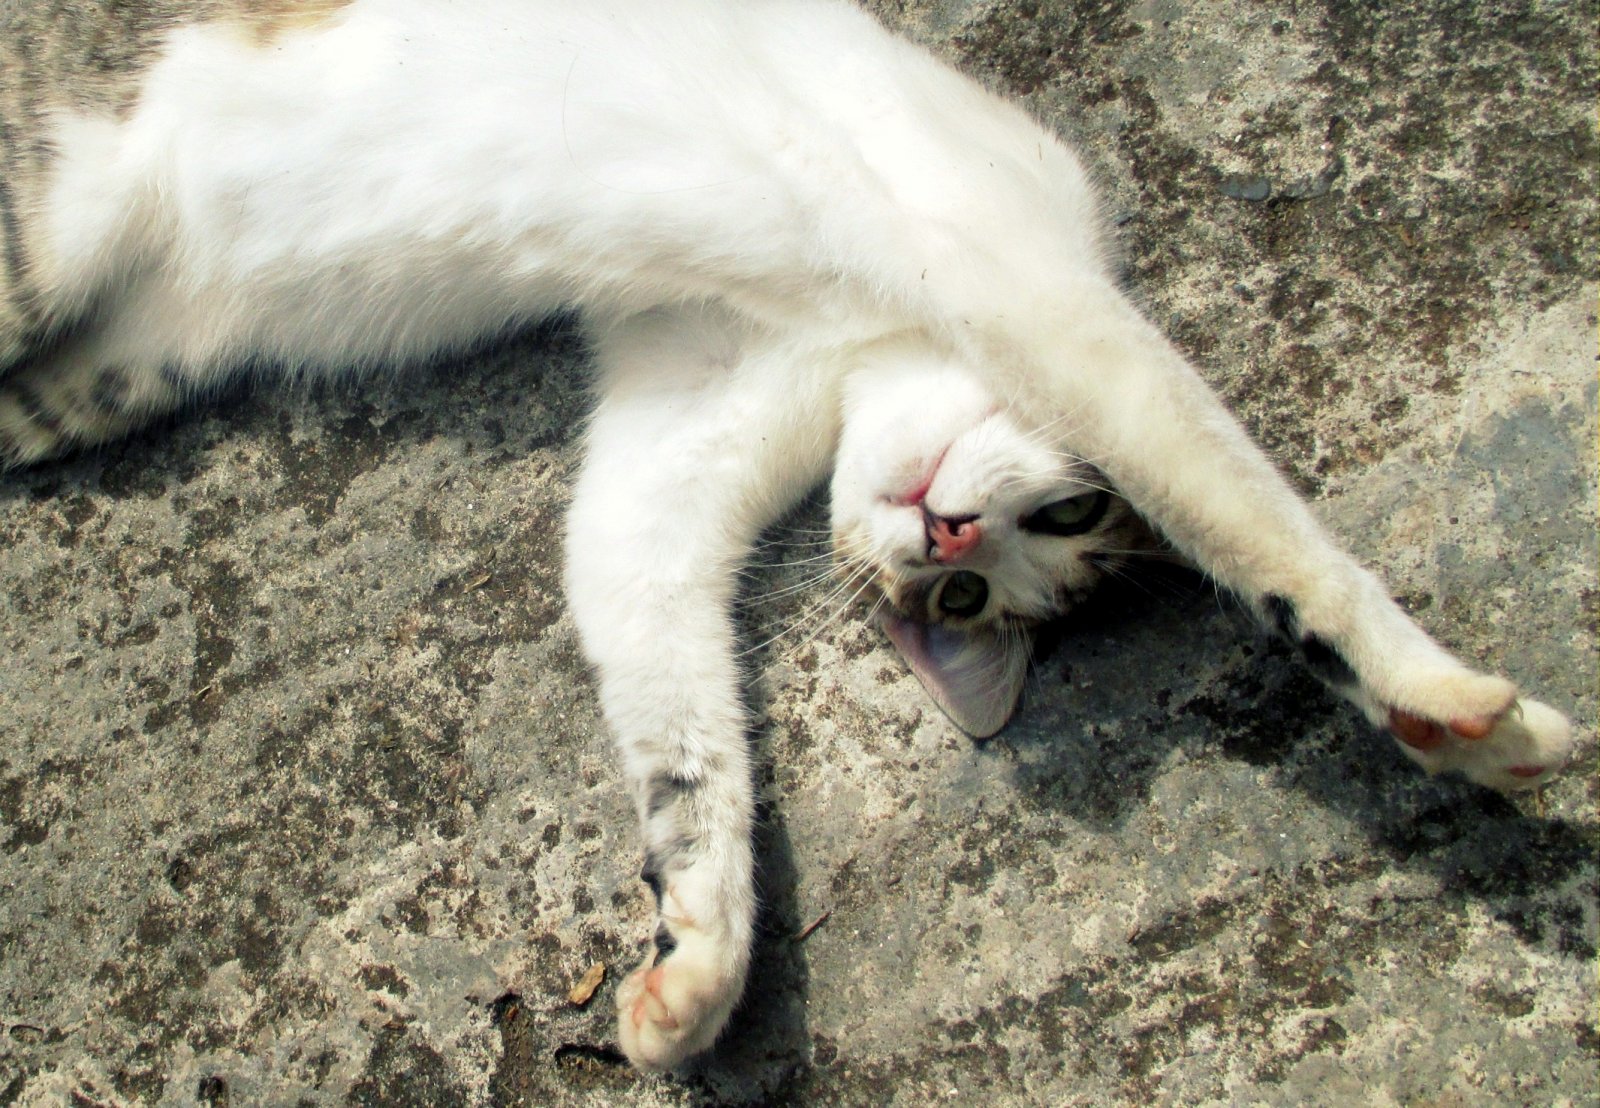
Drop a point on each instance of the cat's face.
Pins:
(968, 525)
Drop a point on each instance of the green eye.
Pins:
(1072, 516)
(964, 594)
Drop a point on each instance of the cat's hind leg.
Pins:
(143, 354)
(73, 397)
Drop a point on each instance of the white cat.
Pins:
(800, 247)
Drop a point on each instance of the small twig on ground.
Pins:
(804, 933)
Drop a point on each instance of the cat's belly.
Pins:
(405, 178)
(400, 302)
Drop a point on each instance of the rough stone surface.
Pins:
(303, 797)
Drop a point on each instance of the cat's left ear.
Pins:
(974, 676)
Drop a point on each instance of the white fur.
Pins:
(800, 246)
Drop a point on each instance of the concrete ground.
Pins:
(303, 798)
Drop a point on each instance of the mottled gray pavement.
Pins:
(303, 798)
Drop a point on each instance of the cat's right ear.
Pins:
(974, 676)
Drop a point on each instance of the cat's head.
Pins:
(969, 523)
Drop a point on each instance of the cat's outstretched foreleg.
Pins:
(690, 453)
(1130, 401)
(650, 596)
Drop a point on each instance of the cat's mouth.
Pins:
(961, 598)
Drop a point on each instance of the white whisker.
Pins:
(852, 569)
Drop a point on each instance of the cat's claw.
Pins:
(1521, 746)
(672, 1009)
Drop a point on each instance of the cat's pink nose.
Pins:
(950, 538)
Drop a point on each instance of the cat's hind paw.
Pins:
(672, 1008)
(1519, 747)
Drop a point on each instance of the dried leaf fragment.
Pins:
(587, 984)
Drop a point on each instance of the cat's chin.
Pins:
(974, 675)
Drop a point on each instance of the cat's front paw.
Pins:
(1485, 733)
(674, 1005)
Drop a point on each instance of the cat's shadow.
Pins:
(1162, 655)
(768, 1033)
(1157, 662)
(1179, 666)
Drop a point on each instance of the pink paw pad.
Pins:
(650, 1005)
(1425, 734)
(1517, 748)
(1414, 731)
(1473, 727)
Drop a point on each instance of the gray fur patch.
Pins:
(665, 789)
(1281, 610)
(110, 390)
(1323, 659)
(651, 875)
(17, 289)
(1319, 653)
(34, 409)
